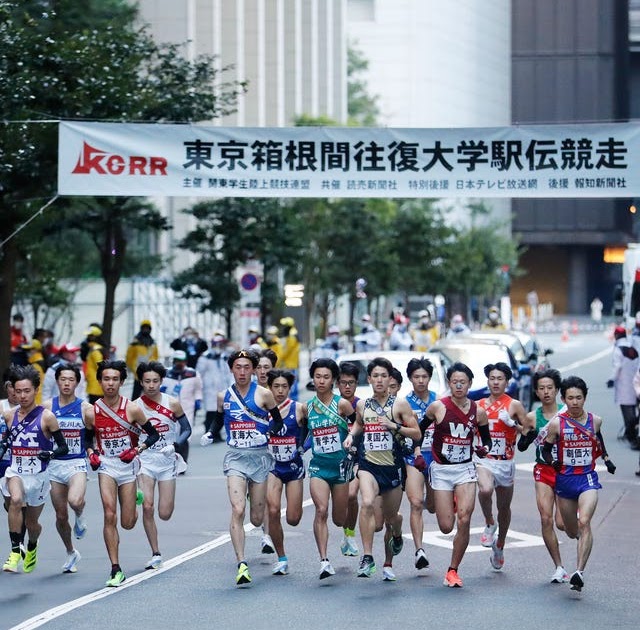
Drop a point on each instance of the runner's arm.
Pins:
(185, 429)
(611, 467)
(152, 435)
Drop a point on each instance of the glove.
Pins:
(169, 450)
(420, 463)
(94, 461)
(557, 466)
(206, 439)
(129, 455)
(611, 467)
(503, 415)
(198, 405)
(481, 451)
(610, 383)
(45, 456)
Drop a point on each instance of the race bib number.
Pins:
(578, 454)
(245, 435)
(326, 440)
(72, 438)
(498, 446)
(25, 461)
(377, 438)
(282, 447)
(456, 450)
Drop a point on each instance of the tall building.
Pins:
(570, 64)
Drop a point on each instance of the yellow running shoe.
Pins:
(30, 560)
(13, 562)
(243, 576)
(116, 580)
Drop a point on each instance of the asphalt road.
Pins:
(196, 587)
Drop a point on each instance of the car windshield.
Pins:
(476, 356)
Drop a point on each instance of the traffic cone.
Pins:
(574, 327)
(565, 335)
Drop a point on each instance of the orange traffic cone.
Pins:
(574, 327)
(565, 335)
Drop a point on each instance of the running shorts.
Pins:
(572, 486)
(546, 474)
(158, 466)
(120, 472)
(61, 470)
(289, 471)
(35, 488)
(327, 470)
(387, 477)
(503, 470)
(448, 476)
(253, 464)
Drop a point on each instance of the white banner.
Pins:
(196, 161)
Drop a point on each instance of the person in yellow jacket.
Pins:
(95, 354)
(273, 341)
(493, 321)
(35, 357)
(289, 358)
(143, 349)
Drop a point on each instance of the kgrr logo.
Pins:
(92, 160)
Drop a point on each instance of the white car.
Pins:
(399, 360)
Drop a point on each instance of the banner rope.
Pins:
(31, 218)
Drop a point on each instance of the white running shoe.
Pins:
(266, 545)
(71, 565)
(326, 569)
(388, 575)
(280, 568)
(80, 527)
(497, 557)
(349, 547)
(488, 535)
(155, 562)
(560, 576)
(421, 561)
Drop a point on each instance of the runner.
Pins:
(452, 472)
(246, 407)
(288, 472)
(68, 474)
(118, 425)
(159, 463)
(546, 385)
(31, 431)
(328, 417)
(498, 470)
(347, 385)
(576, 433)
(382, 420)
(419, 372)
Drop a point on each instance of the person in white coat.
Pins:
(625, 366)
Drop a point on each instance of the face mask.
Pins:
(18, 325)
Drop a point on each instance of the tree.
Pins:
(53, 69)
(363, 110)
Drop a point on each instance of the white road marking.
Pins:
(514, 539)
(585, 361)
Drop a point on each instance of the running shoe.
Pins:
(388, 575)
(139, 497)
(560, 576)
(13, 562)
(421, 559)
(326, 569)
(30, 560)
(488, 535)
(266, 546)
(80, 527)
(71, 565)
(395, 544)
(577, 581)
(349, 547)
(155, 562)
(367, 567)
(116, 579)
(243, 576)
(452, 579)
(280, 568)
(497, 557)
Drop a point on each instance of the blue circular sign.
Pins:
(249, 281)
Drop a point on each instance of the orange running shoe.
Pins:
(452, 579)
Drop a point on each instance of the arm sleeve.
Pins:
(545, 451)
(526, 440)
(150, 430)
(276, 424)
(89, 438)
(185, 429)
(61, 444)
(602, 446)
(485, 435)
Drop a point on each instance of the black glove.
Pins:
(557, 466)
(611, 467)
(610, 383)
(45, 456)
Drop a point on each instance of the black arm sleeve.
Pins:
(545, 451)
(351, 418)
(150, 430)
(185, 429)
(276, 424)
(485, 435)
(602, 446)
(525, 441)
(62, 447)
(425, 423)
(89, 438)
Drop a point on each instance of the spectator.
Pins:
(457, 327)
(45, 337)
(369, 338)
(290, 357)
(18, 339)
(216, 377)
(400, 338)
(67, 355)
(426, 333)
(37, 360)
(596, 310)
(256, 342)
(493, 320)
(95, 353)
(192, 345)
(273, 340)
(184, 383)
(625, 366)
(143, 349)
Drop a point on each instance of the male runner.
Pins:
(68, 474)
(159, 463)
(579, 443)
(381, 420)
(453, 473)
(118, 425)
(31, 431)
(498, 470)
